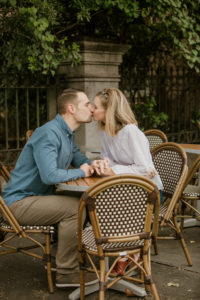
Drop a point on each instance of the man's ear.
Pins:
(70, 108)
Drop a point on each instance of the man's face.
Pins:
(83, 109)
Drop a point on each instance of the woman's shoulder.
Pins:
(131, 128)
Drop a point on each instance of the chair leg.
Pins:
(183, 207)
(155, 230)
(183, 244)
(82, 285)
(102, 283)
(155, 244)
(151, 285)
(154, 291)
(48, 262)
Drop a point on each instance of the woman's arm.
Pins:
(137, 149)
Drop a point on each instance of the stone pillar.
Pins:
(99, 69)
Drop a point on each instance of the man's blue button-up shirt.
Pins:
(45, 161)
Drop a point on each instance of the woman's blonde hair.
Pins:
(118, 111)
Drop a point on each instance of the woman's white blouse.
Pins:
(129, 152)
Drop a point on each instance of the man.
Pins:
(44, 162)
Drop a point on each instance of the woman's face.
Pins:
(99, 112)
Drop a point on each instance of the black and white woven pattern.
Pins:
(192, 191)
(154, 140)
(168, 163)
(90, 244)
(162, 211)
(121, 210)
(48, 228)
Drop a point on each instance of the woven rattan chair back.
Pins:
(170, 161)
(120, 209)
(9, 224)
(120, 206)
(191, 193)
(192, 171)
(155, 137)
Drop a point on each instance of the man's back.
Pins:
(43, 162)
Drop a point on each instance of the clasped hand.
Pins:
(102, 167)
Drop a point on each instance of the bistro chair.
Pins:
(155, 137)
(13, 230)
(4, 173)
(6, 176)
(120, 209)
(191, 194)
(170, 161)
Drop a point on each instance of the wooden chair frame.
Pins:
(190, 194)
(4, 172)
(10, 225)
(89, 200)
(166, 215)
(162, 138)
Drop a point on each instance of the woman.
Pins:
(124, 147)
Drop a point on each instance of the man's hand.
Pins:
(87, 169)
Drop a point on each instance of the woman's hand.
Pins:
(104, 171)
(102, 167)
(151, 173)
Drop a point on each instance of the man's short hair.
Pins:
(67, 96)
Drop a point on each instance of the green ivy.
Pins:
(147, 116)
(35, 35)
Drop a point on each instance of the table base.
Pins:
(191, 223)
(120, 286)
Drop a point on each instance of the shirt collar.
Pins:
(64, 125)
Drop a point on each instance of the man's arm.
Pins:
(79, 158)
(45, 151)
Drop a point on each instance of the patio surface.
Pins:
(24, 277)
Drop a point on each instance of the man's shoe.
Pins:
(73, 279)
(122, 266)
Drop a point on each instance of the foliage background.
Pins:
(36, 35)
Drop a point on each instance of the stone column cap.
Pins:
(99, 45)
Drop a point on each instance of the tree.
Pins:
(36, 35)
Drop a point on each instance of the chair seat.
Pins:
(192, 191)
(43, 228)
(90, 244)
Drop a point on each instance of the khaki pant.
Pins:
(48, 210)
